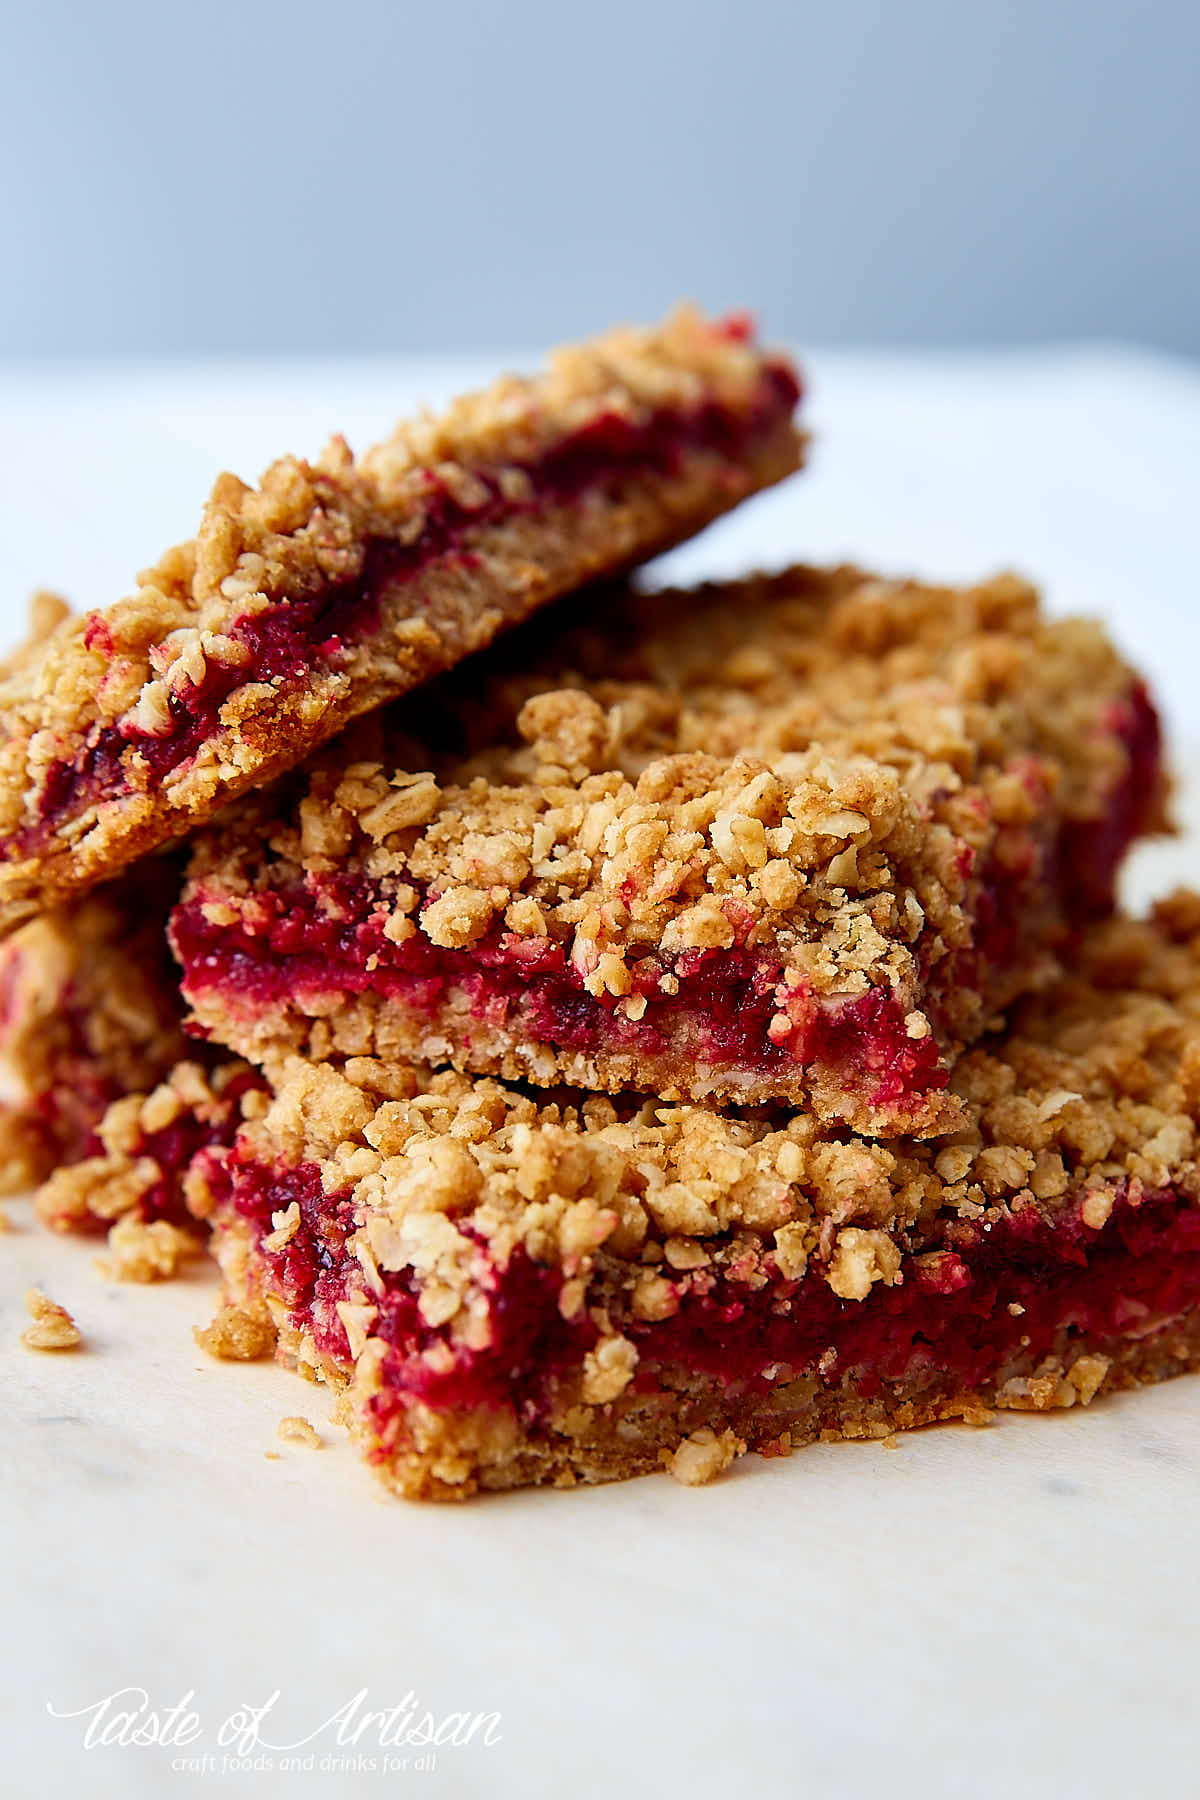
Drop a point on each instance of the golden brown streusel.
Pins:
(310, 531)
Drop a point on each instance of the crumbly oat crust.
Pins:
(335, 585)
(89, 1010)
(795, 838)
(505, 1290)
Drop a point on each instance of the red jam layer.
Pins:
(959, 1315)
(1091, 850)
(950, 1317)
(287, 641)
(326, 938)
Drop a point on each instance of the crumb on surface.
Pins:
(237, 1334)
(297, 1430)
(702, 1456)
(53, 1327)
(147, 1252)
(780, 1446)
(1087, 1375)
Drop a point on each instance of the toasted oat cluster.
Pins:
(506, 1290)
(334, 586)
(794, 839)
(89, 1010)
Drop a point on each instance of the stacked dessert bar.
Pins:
(692, 1021)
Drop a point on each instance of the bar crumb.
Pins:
(237, 1334)
(296, 1430)
(702, 1456)
(53, 1327)
(141, 1252)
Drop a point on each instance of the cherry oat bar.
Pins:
(89, 999)
(131, 1184)
(505, 1291)
(89, 1010)
(334, 586)
(798, 839)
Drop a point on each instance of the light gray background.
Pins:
(276, 175)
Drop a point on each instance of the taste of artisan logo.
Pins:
(390, 1739)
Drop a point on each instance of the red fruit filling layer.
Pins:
(287, 641)
(1090, 850)
(327, 938)
(962, 1312)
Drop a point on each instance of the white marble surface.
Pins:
(983, 1612)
